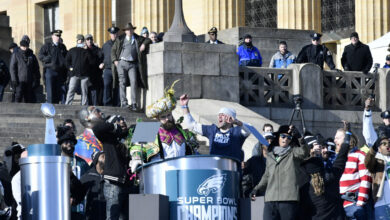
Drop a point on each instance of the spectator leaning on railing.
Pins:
(283, 57)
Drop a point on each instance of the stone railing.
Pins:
(347, 90)
(265, 86)
(319, 89)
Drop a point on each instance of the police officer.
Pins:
(356, 56)
(52, 55)
(110, 74)
(213, 36)
(316, 53)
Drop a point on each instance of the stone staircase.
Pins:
(25, 123)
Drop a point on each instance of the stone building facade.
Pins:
(337, 17)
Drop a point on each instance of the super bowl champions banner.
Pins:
(203, 194)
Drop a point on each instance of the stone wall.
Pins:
(205, 71)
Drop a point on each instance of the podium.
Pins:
(198, 186)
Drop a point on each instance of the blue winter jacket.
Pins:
(249, 56)
(282, 61)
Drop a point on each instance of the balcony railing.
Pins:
(320, 89)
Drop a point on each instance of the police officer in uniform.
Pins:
(213, 36)
(110, 74)
(52, 55)
(316, 53)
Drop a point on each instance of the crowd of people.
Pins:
(301, 176)
(101, 75)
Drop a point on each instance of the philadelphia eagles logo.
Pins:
(212, 184)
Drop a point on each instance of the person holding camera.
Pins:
(319, 197)
(115, 166)
(282, 173)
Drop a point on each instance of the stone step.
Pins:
(6, 141)
(20, 134)
(4, 21)
(36, 130)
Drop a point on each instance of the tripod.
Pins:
(298, 110)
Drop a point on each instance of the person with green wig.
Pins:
(171, 140)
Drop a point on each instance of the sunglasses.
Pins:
(165, 116)
(286, 136)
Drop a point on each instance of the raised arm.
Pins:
(189, 121)
(369, 133)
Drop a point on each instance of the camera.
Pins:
(298, 100)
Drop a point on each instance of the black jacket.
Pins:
(77, 62)
(24, 67)
(327, 206)
(96, 58)
(53, 57)
(116, 153)
(4, 73)
(218, 41)
(252, 173)
(93, 184)
(357, 58)
(317, 55)
(106, 49)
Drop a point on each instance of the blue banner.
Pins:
(203, 194)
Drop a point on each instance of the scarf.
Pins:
(280, 151)
(168, 137)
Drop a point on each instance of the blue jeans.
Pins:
(356, 212)
(382, 212)
(116, 201)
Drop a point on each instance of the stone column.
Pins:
(179, 31)
(123, 15)
(223, 14)
(91, 17)
(300, 14)
(372, 19)
(156, 15)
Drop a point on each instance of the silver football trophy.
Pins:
(45, 176)
(49, 111)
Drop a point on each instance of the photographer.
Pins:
(319, 195)
(281, 177)
(115, 167)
